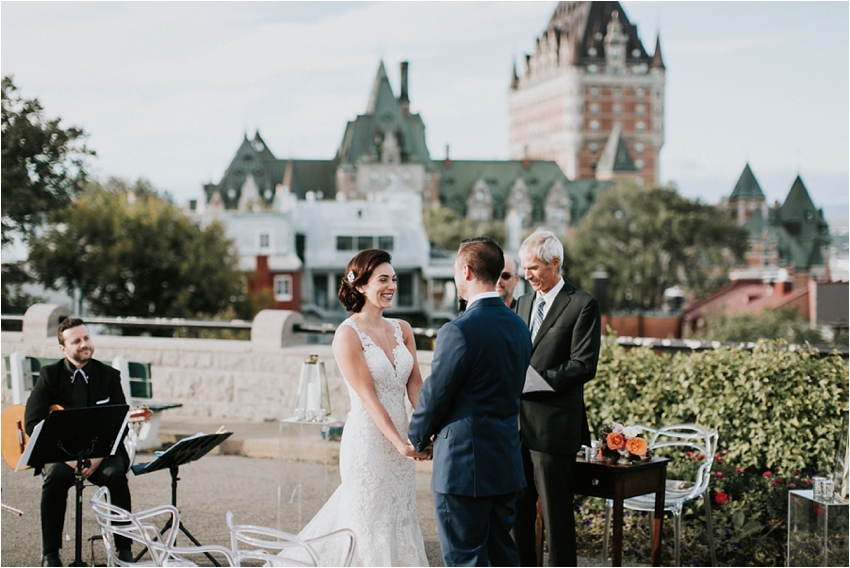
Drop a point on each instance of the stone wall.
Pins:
(252, 380)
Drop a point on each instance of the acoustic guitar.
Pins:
(15, 438)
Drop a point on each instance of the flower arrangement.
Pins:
(622, 444)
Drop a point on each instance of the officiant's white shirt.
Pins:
(551, 295)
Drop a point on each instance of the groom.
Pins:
(469, 407)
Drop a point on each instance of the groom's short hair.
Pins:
(484, 257)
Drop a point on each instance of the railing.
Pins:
(423, 335)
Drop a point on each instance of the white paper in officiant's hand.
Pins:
(535, 383)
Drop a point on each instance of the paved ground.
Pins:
(244, 476)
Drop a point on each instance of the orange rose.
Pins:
(636, 446)
(615, 441)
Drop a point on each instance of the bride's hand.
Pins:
(409, 451)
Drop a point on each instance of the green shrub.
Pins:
(777, 412)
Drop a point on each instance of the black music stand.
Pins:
(185, 451)
(76, 434)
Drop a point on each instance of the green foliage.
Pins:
(43, 163)
(15, 300)
(446, 228)
(650, 238)
(785, 323)
(134, 254)
(772, 406)
(777, 412)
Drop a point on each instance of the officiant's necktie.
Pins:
(79, 382)
(537, 320)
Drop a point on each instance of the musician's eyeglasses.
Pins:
(506, 276)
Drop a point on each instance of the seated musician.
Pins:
(76, 381)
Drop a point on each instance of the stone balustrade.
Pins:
(254, 380)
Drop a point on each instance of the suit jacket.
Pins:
(471, 402)
(565, 352)
(54, 387)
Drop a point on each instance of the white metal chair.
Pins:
(278, 548)
(677, 492)
(114, 521)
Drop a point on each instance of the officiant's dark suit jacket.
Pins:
(553, 425)
(565, 352)
(471, 401)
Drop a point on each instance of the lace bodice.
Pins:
(377, 496)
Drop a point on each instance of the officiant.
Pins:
(76, 381)
(565, 326)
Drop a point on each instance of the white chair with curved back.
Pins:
(250, 543)
(114, 520)
(677, 492)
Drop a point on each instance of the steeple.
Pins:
(380, 89)
(657, 60)
(747, 187)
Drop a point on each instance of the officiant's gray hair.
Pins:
(544, 245)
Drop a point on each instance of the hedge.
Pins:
(773, 406)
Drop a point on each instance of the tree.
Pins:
(42, 168)
(446, 228)
(43, 163)
(786, 323)
(649, 239)
(132, 253)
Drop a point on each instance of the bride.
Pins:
(377, 357)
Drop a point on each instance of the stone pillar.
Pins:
(273, 329)
(41, 321)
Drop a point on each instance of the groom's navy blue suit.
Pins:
(470, 403)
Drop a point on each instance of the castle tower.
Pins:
(589, 77)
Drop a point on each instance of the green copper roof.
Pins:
(252, 158)
(363, 136)
(458, 177)
(747, 187)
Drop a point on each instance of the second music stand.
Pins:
(185, 451)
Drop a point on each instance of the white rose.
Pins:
(630, 432)
(616, 428)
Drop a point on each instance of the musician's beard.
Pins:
(80, 358)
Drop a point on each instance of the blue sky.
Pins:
(167, 89)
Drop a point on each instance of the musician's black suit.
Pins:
(54, 387)
(553, 425)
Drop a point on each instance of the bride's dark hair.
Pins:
(357, 273)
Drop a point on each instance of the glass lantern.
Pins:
(314, 401)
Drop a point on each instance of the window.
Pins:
(263, 241)
(640, 126)
(593, 147)
(618, 93)
(320, 290)
(404, 292)
(594, 125)
(345, 243)
(618, 109)
(594, 92)
(640, 110)
(639, 164)
(283, 288)
(639, 148)
(640, 93)
(364, 243)
(386, 242)
(594, 108)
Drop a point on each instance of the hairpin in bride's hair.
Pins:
(350, 276)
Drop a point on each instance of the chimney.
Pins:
(447, 161)
(403, 99)
(526, 160)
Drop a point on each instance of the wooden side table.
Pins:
(619, 482)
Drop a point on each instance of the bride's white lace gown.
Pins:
(377, 497)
